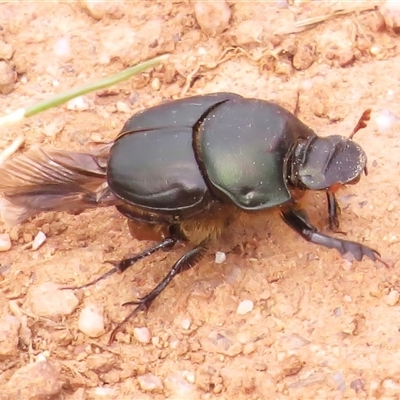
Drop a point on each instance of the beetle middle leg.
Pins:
(121, 266)
(187, 261)
(298, 220)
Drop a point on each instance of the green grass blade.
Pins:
(62, 98)
(101, 84)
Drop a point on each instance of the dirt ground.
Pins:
(321, 327)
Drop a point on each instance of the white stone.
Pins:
(5, 242)
(245, 307)
(220, 257)
(91, 321)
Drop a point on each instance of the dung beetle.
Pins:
(186, 169)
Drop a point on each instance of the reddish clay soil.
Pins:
(321, 327)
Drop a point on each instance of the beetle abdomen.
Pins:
(157, 170)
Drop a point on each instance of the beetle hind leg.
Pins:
(299, 222)
(187, 261)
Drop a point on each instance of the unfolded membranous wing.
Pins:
(53, 180)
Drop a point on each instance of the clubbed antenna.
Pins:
(362, 122)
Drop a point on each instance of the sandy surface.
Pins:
(321, 327)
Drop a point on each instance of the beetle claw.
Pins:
(114, 263)
(141, 307)
(142, 300)
(379, 258)
(338, 231)
(93, 282)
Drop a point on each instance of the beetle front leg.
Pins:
(299, 221)
(333, 211)
(187, 261)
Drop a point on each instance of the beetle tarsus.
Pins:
(121, 266)
(298, 220)
(187, 261)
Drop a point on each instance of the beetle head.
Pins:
(330, 162)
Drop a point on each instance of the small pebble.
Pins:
(212, 16)
(249, 348)
(357, 385)
(391, 206)
(91, 321)
(291, 365)
(48, 301)
(337, 312)
(220, 257)
(28, 237)
(174, 344)
(245, 336)
(39, 380)
(185, 323)
(40, 238)
(390, 10)
(43, 356)
(304, 57)
(6, 51)
(123, 107)
(339, 380)
(142, 335)
(392, 298)
(233, 350)
(54, 127)
(391, 385)
(155, 340)
(245, 307)
(378, 51)
(9, 327)
(98, 9)
(80, 103)
(5, 242)
(95, 9)
(62, 48)
(281, 3)
(101, 363)
(105, 392)
(347, 298)
(283, 68)
(156, 84)
(346, 58)
(177, 385)
(150, 383)
(248, 32)
(189, 376)
(7, 78)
